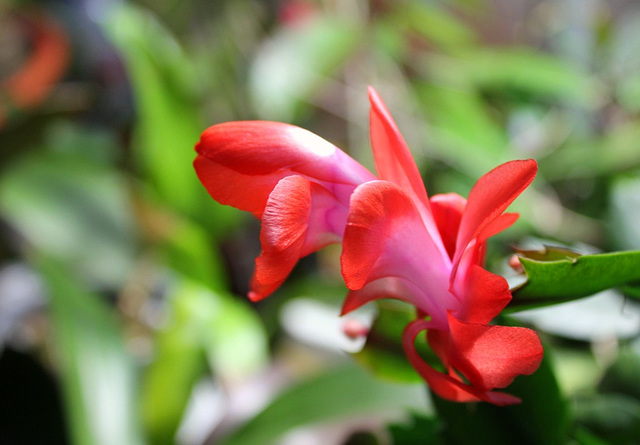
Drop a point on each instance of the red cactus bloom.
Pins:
(297, 183)
(397, 243)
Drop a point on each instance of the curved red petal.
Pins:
(394, 161)
(483, 296)
(300, 217)
(447, 211)
(282, 235)
(385, 237)
(444, 385)
(240, 162)
(388, 287)
(490, 196)
(392, 156)
(492, 356)
(499, 224)
(229, 187)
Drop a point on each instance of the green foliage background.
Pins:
(123, 282)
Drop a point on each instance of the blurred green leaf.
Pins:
(632, 291)
(289, 68)
(421, 430)
(541, 418)
(523, 69)
(75, 209)
(585, 437)
(615, 418)
(622, 375)
(614, 152)
(432, 22)
(169, 125)
(461, 129)
(383, 353)
(332, 396)
(190, 251)
(204, 328)
(557, 281)
(625, 211)
(96, 372)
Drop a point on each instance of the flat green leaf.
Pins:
(96, 372)
(557, 281)
(332, 396)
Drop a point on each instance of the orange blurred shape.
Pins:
(44, 67)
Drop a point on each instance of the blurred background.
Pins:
(123, 316)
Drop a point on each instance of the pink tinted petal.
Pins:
(385, 238)
(375, 290)
(444, 385)
(240, 162)
(447, 211)
(490, 196)
(282, 235)
(392, 156)
(290, 230)
(388, 287)
(483, 295)
(393, 159)
(492, 356)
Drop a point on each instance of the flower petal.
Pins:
(392, 156)
(447, 211)
(446, 386)
(483, 296)
(387, 287)
(292, 227)
(394, 161)
(241, 162)
(492, 356)
(385, 237)
(499, 224)
(490, 196)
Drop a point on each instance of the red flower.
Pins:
(297, 183)
(397, 243)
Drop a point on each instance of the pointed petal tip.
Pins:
(373, 94)
(351, 303)
(527, 164)
(377, 104)
(346, 308)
